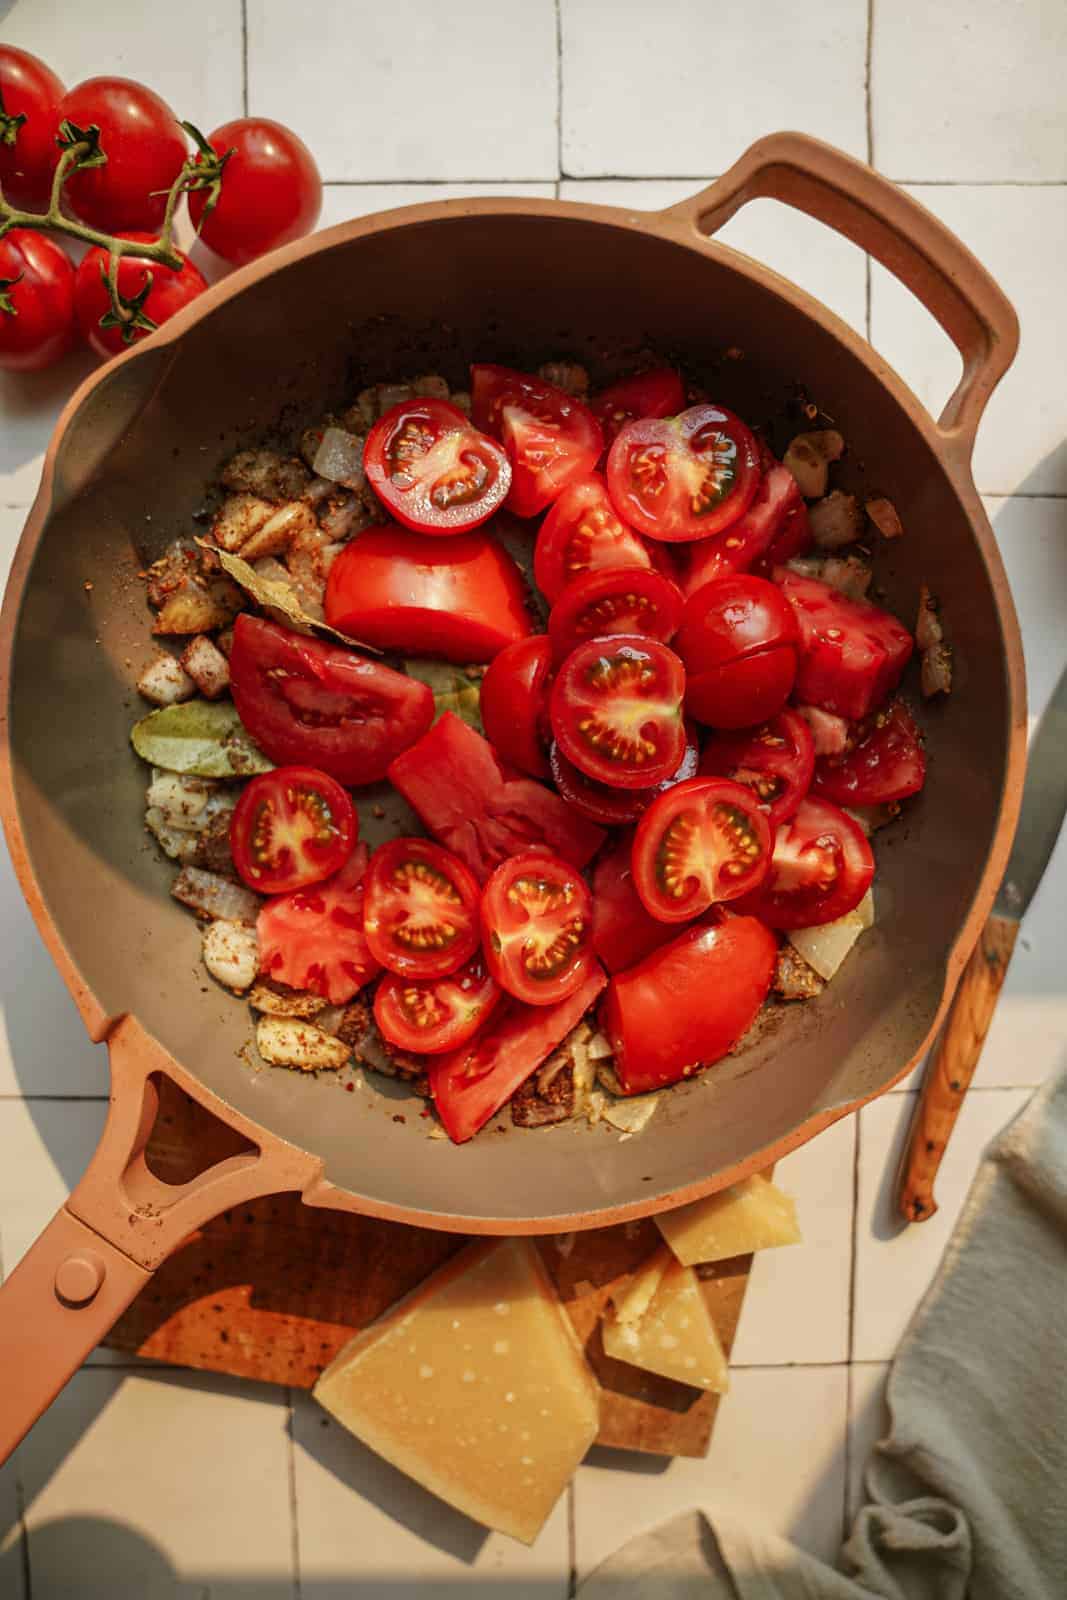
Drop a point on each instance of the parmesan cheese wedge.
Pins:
(672, 1332)
(476, 1386)
(750, 1215)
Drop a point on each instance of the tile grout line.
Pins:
(856, 1153)
(294, 1505)
(559, 93)
(244, 56)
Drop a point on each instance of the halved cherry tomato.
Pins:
(750, 537)
(684, 477)
(551, 438)
(482, 809)
(821, 869)
(775, 761)
(431, 1015)
(602, 802)
(306, 701)
(583, 533)
(701, 842)
(794, 538)
(291, 827)
(739, 643)
(537, 916)
(623, 931)
(684, 1006)
(616, 710)
(628, 600)
(313, 938)
(461, 597)
(469, 1085)
(659, 393)
(433, 470)
(514, 703)
(852, 653)
(420, 914)
(885, 761)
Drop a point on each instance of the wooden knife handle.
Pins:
(949, 1073)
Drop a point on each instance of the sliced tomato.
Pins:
(620, 600)
(739, 643)
(537, 916)
(433, 470)
(794, 538)
(884, 761)
(749, 538)
(685, 1005)
(602, 802)
(684, 477)
(616, 710)
(420, 913)
(584, 533)
(775, 761)
(551, 438)
(469, 1085)
(462, 597)
(313, 938)
(699, 843)
(431, 1015)
(482, 809)
(291, 827)
(514, 703)
(623, 931)
(306, 702)
(821, 869)
(852, 653)
(657, 393)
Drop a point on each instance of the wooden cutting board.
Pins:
(273, 1289)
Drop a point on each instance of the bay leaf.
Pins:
(204, 738)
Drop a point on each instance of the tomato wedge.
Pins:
(551, 438)
(775, 761)
(701, 842)
(583, 533)
(420, 912)
(306, 702)
(616, 711)
(821, 869)
(482, 809)
(658, 393)
(469, 1085)
(431, 1015)
(433, 470)
(537, 916)
(313, 938)
(623, 931)
(514, 703)
(684, 1006)
(684, 477)
(291, 827)
(628, 600)
(852, 653)
(885, 761)
(739, 642)
(751, 536)
(602, 802)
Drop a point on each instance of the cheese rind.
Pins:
(475, 1386)
(750, 1215)
(675, 1336)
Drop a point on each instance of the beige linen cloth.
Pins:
(968, 1495)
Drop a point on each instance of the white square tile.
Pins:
(868, 1422)
(777, 1459)
(364, 1525)
(45, 1147)
(796, 1305)
(12, 1559)
(169, 1488)
(970, 93)
(895, 1261)
(816, 258)
(343, 201)
(655, 91)
(1020, 235)
(463, 91)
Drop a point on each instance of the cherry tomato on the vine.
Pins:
(153, 292)
(29, 95)
(36, 301)
(271, 191)
(145, 148)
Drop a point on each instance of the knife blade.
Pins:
(1043, 809)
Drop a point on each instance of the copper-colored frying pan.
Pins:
(423, 288)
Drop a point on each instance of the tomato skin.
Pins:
(469, 1085)
(432, 1015)
(537, 916)
(885, 761)
(623, 931)
(852, 653)
(699, 843)
(658, 393)
(776, 761)
(821, 869)
(304, 701)
(684, 477)
(739, 643)
(313, 938)
(628, 600)
(616, 710)
(684, 1006)
(551, 438)
(461, 598)
(419, 435)
(514, 703)
(420, 913)
(170, 292)
(308, 819)
(583, 533)
(750, 537)
(40, 329)
(145, 148)
(271, 191)
(29, 89)
(602, 802)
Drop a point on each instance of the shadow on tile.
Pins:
(636, 1461)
